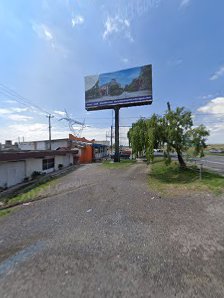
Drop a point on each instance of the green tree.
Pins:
(174, 132)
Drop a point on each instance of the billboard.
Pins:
(128, 87)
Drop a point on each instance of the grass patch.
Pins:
(4, 212)
(117, 165)
(171, 179)
(30, 194)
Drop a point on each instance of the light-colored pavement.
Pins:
(107, 235)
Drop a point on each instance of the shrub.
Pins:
(35, 174)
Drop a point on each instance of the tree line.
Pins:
(173, 132)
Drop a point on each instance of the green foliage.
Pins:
(173, 180)
(174, 131)
(199, 135)
(35, 174)
(4, 212)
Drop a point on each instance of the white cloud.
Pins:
(16, 117)
(52, 37)
(43, 32)
(60, 113)
(184, 3)
(10, 101)
(212, 116)
(39, 131)
(77, 20)
(117, 25)
(19, 110)
(5, 111)
(208, 96)
(174, 62)
(214, 106)
(125, 60)
(216, 133)
(219, 73)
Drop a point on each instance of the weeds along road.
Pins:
(106, 235)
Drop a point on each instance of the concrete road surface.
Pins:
(103, 233)
(214, 162)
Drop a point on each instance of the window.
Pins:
(48, 163)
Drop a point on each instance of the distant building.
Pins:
(9, 146)
(45, 145)
(89, 150)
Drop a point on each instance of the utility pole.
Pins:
(168, 106)
(49, 127)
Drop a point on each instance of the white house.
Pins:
(16, 166)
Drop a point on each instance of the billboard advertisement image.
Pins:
(129, 87)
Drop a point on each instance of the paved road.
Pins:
(105, 234)
(214, 162)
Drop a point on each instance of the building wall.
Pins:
(26, 146)
(12, 173)
(56, 144)
(64, 160)
(86, 154)
(33, 164)
(43, 145)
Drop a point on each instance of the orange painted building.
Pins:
(86, 149)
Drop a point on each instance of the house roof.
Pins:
(53, 140)
(83, 139)
(22, 155)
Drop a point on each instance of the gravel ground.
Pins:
(102, 233)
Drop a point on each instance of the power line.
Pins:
(19, 98)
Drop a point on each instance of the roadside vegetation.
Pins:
(37, 190)
(116, 165)
(173, 180)
(174, 132)
(32, 193)
(4, 212)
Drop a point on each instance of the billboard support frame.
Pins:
(117, 150)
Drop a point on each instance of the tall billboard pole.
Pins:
(117, 150)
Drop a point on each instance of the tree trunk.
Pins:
(181, 161)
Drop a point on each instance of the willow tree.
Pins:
(137, 137)
(179, 134)
(174, 132)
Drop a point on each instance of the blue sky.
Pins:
(48, 46)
